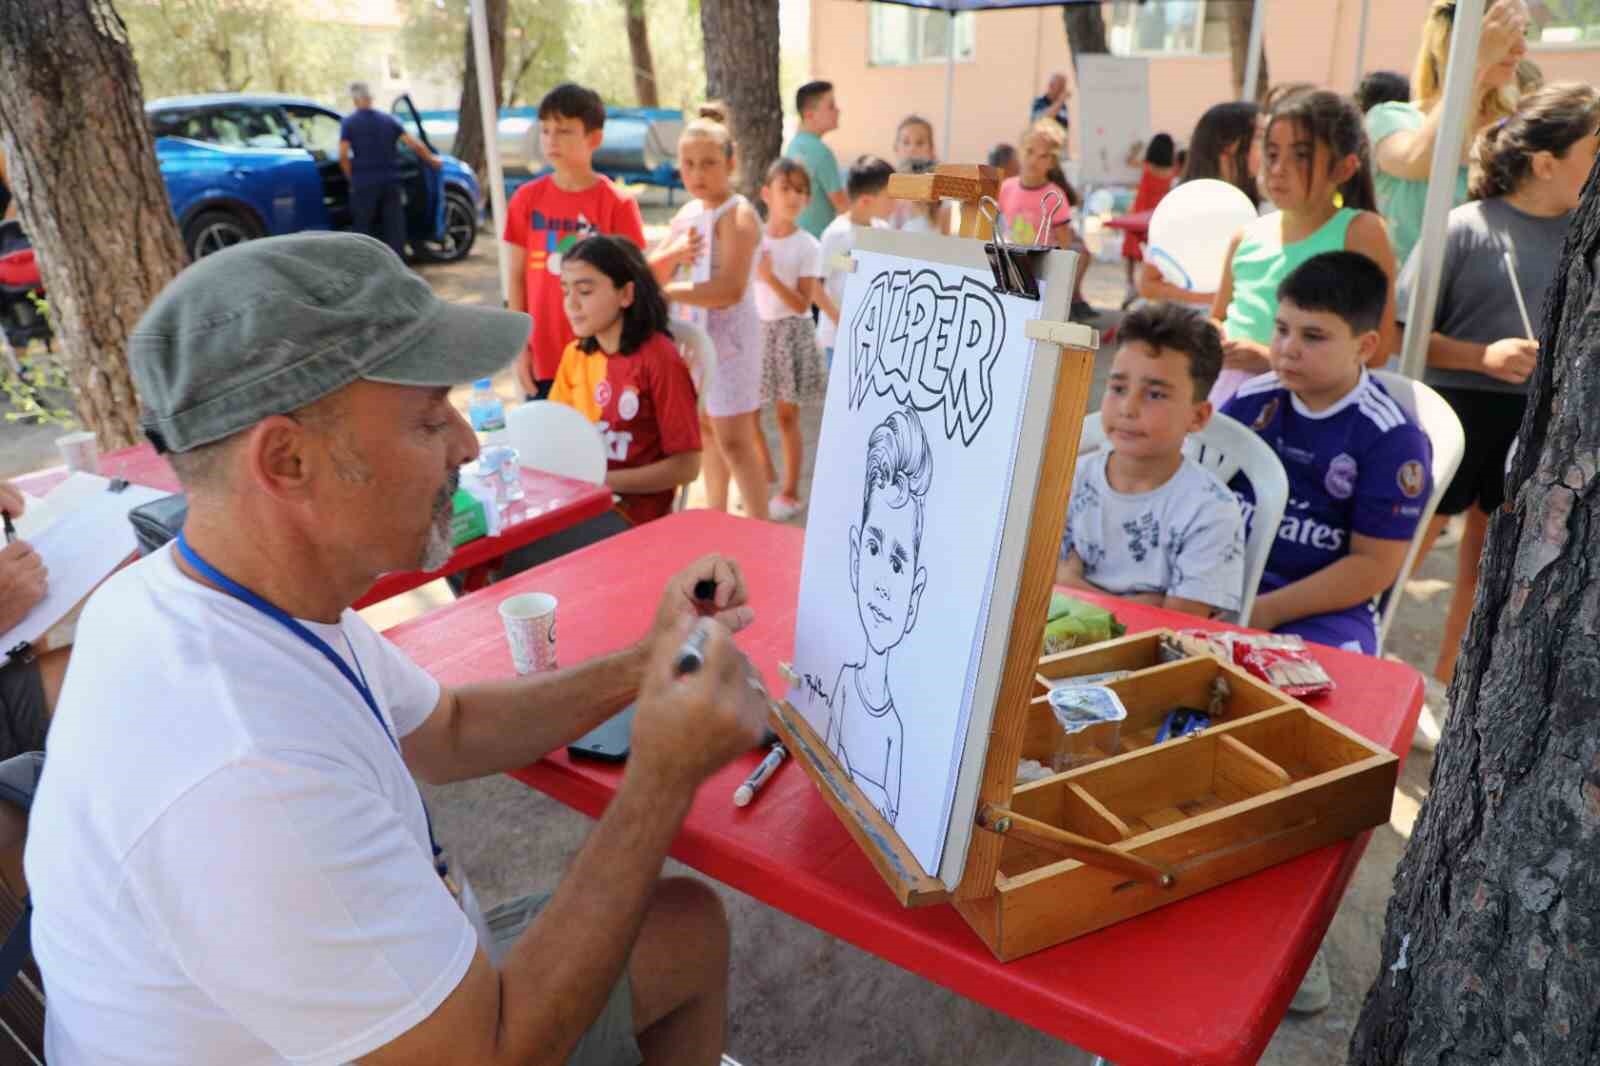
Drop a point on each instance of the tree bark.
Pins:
(469, 145)
(742, 69)
(644, 64)
(1239, 16)
(83, 168)
(1086, 30)
(1491, 946)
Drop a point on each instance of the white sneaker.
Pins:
(1430, 722)
(1316, 990)
(783, 508)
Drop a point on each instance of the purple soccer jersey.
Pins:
(1361, 466)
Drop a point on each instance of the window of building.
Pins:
(902, 35)
(1564, 23)
(1168, 28)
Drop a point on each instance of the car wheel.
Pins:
(212, 231)
(460, 230)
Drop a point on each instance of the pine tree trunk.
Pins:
(469, 144)
(644, 64)
(742, 69)
(83, 168)
(1496, 909)
(1086, 30)
(1239, 15)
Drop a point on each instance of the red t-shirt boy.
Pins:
(548, 216)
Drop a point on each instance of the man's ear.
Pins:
(855, 558)
(275, 458)
(1200, 416)
(914, 604)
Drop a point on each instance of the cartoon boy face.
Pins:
(883, 567)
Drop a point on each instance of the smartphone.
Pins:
(607, 741)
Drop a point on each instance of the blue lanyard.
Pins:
(356, 677)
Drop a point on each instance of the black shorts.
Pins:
(1491, 421)
(24, 719)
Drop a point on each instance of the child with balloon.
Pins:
(1317, 171)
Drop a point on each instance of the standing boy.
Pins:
(819, 115)
(870, 205)
(548, 216)
(1358, 465)
(1146, 522)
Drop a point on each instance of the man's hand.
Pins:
(688, 727)
(678, 603)
(11, 499)
(23, 579)
(1511, 359)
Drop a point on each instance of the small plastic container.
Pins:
(1090, 719)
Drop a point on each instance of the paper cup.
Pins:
(530, 621)
(80, 452)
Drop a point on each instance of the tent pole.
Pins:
(1457, 102)
(950, 88)
(1252, 67)
(1361, 45)
(491, 139)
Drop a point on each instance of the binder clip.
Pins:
(1011, 264)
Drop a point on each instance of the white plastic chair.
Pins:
(699, 353)
(557, 439)
(1226, 447)
(1438, 420)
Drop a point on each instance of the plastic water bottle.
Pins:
(486, 412)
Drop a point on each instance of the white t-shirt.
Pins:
(228, 859)
(1184, 539)
(793, 257)
(838, 239)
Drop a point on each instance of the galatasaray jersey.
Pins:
(1361, 466)
(644, 404)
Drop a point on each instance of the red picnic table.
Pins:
(1205, 980)
(550, 504)
(1137, 223)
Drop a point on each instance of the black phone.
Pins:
(607, 741)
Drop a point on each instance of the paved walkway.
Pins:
(803, 997)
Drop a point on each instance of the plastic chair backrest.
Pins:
(1438, 420)
(1225, 447)
(557, 439)
(699, 352)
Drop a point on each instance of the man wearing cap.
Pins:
(229, 857)
(371, 164)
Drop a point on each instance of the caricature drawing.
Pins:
(864, 729)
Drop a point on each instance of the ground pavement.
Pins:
(800, 996)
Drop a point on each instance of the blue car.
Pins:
(240, 166)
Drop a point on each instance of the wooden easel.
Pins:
(1048, 861)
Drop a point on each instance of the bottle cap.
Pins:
(483, 383)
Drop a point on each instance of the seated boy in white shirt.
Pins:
(1147, 523)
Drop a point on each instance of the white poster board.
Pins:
(909, 503)
(1113, 114)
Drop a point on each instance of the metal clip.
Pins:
(1013, 274)
(1048, 207)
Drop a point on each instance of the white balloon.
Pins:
(557, 439)
(1190, 231)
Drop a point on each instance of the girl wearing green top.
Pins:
(1316, 171)
(1403, 135)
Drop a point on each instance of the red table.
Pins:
(550, 505)
(1137, 223)
(1202, 981)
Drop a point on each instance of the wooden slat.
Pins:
(1247, 768)
(1137, 651)
(1007, 823)
(1100, 823)
(1070, 398)
(909, 882)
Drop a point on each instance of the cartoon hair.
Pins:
(899, 463)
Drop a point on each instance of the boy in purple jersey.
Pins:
(1358, 466)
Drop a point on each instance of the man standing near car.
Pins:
(367, 156)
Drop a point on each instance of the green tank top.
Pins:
(1259, 268)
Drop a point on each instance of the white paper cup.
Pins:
(80, 452)
(530, 621)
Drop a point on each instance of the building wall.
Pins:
(1016, 51)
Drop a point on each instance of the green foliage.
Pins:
(550, 41)
(188, 46)
(28, 384)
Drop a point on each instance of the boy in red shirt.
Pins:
(626, 375)
(548, 216)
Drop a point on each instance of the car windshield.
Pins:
(319, 130)
(250, 127)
